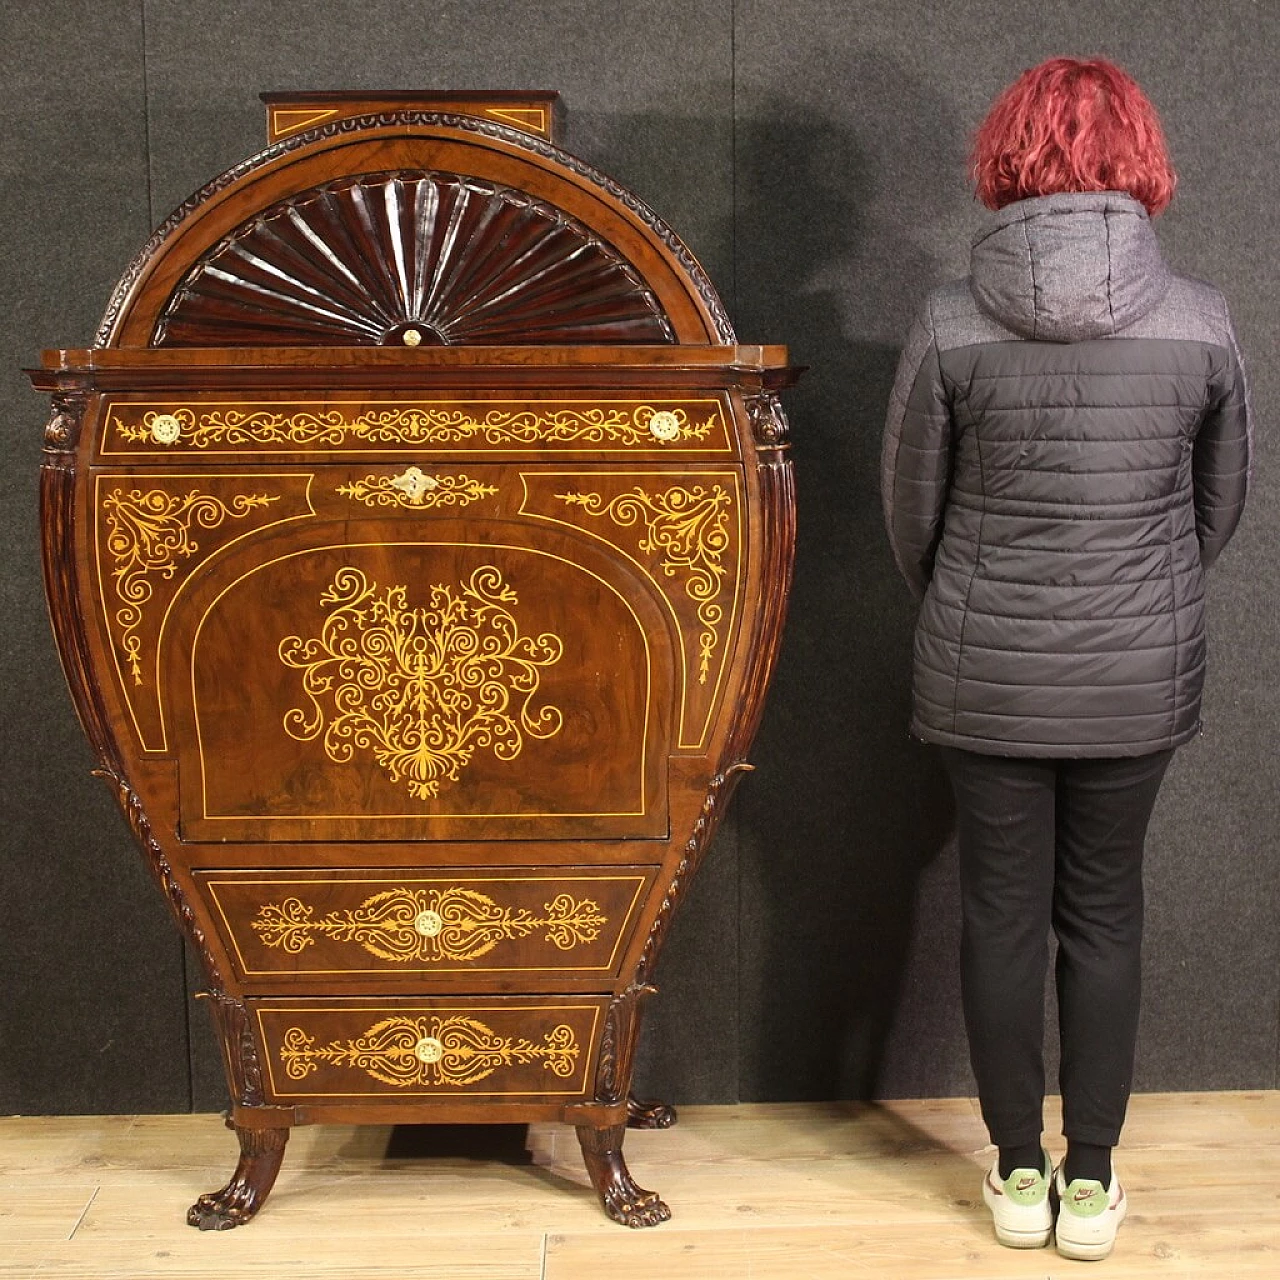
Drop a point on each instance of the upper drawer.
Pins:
(464, 424)
(352, 925)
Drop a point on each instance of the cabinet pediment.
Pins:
(411, 258)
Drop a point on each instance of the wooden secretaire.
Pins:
(417, 541)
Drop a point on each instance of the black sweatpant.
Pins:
(1052, 843)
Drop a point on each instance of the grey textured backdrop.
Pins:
(811, 154)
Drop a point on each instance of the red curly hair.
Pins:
(1072, 124)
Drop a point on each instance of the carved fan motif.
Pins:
(412, 258)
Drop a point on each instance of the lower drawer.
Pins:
(541, 1047)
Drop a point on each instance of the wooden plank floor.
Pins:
(795, 1191)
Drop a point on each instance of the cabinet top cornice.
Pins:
(282, 368)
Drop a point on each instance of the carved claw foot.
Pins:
(649, 1115)
(626, 1202)
(623, 1200)
(261, 1151)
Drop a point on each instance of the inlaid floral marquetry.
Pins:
(430, 1051)
(424, 925)
(415, 490)
(421, 688)
(149, 532)
(687, 527)
(408, 424)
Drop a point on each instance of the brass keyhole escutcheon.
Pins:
(165, 428)
(428, 1049)
(415, 484)
(664, 425)
(429, 923)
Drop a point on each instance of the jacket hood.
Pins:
(1066, 268)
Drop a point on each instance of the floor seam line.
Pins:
(84, 1211)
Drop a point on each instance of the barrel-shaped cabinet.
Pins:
(417, 539)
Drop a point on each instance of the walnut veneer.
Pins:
(417, 540)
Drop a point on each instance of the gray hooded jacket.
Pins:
(1067, 450)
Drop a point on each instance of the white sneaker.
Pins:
(1088, 1216)
(1019, 1205)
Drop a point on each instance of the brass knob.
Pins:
(428, 923)
(411, 338)
(165, 428)
(664, 425)
(428, 1049)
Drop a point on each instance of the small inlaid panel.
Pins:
(518, 1048)
(685, 531)
(352, 924)
(325, 426)
(152, 531)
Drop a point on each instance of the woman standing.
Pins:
(1067, 452)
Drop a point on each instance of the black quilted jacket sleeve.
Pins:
(916, 460)
(1220, 459)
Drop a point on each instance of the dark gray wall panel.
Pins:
(689, 1044)
(92, 1017)
(842, 152)
(815, 954)
(852, 126)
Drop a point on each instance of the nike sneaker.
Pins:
(1089, 1215)
(1019, 1205)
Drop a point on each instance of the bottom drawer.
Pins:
(534, 1047)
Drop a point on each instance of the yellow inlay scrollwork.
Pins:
(149, 533)
(421, 688)
(689, 530)
(530, 118)
(456, 1051)
(425, 925)
(422, 424)
(287, 120)
(416, 490)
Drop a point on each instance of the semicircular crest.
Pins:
(409, 258)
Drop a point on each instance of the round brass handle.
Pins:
(428, 1049)
(165, 428)
(429, 923)
(664, 425)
